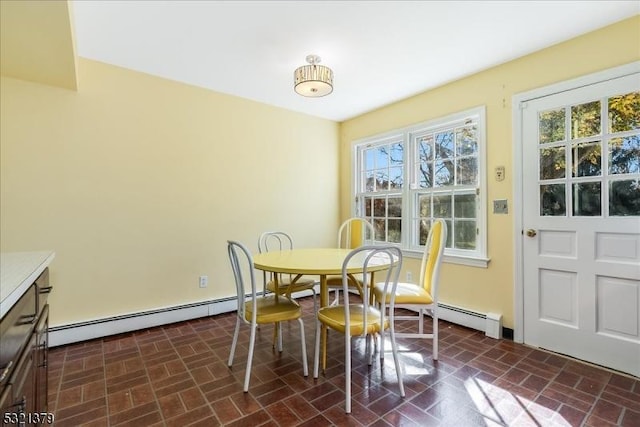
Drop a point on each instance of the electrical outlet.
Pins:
(204, 281)
(409, 276)
(499, 173)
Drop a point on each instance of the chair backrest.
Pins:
(432, 257)
(373, 256)
(241, 263)
(354, 233)
(274, 241)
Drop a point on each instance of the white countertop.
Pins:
(18, 270)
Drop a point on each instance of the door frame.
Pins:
(518, 102)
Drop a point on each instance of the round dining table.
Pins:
(321, 262)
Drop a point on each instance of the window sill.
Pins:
(453, 259)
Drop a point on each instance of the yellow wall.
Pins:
(136, 183)
(37, 43)
(491, 289)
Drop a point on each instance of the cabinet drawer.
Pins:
(19, 398)
(43, 288)
(15, 329)
(6, 401)
(41, 361)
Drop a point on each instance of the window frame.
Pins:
(410, 190)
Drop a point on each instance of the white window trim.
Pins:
(451, 256)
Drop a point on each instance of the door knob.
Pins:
(531, 232)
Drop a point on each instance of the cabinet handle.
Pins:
(43, 348)
(6, 370)
(27, 319)
(20, 407)
(46, 289)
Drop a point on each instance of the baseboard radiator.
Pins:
(83, 331)
(490, 323)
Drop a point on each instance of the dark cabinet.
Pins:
(6, 400)
(41, 360)
(22, 381)
(24, 357)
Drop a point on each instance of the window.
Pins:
(407, 178)
(585, 148)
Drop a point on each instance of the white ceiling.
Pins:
(380, 51)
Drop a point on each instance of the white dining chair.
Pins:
(254, 310)
(278, 241)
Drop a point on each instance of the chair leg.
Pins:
(383, 311)
(234, 342)
(316, 351)
(421, 321)
(371, 339)
(252, 341)
(367, 348)
(376, 337)
(315, 301)
(305, 366)
(275, 334)
(347, 372)
(336, 300)
(434, 316)
(279, 327)
(394, 349)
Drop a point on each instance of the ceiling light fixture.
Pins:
(313, 80)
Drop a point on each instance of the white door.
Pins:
(581, 220)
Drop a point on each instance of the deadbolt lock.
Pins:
(531, 232)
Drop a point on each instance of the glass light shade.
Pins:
(313, 80)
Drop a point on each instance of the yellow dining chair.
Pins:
(278, 241)
(352, 234)
(422, 296)
(255, 310)
(362, 319)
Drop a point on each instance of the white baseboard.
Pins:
(84, 331)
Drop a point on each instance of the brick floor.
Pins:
(177, 375)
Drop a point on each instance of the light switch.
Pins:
(500, 206)
(499, 173)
